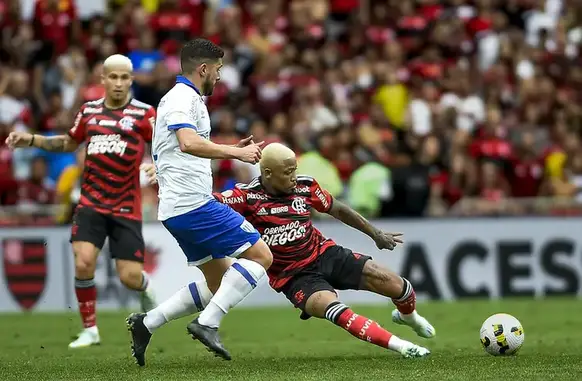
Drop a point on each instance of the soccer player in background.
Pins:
(210, 233)
(307, 267)
(115, 130)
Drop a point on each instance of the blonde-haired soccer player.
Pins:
(114, 131)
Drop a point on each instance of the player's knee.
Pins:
(379, 279)
(317, 303)
(259, 253)
(85, 259)
(130, 277)
(84, 265)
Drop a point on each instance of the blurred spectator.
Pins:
(57, 162)
(411, 184)
(68, 187)
(33, 193)
(369, 188)
(315, 164)
(56, 23)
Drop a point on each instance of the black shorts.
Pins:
(125, 237)
(337, 268)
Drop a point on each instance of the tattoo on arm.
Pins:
(352, 218)
(60, 143)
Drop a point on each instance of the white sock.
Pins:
(188, 300)
(396, 344)
(145, 283)
(238, 281)
(410, 318)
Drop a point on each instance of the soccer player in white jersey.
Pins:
(219, 241)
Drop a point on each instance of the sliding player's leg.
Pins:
(311, 293)
(380, 280)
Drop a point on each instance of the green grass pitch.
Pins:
(274, 344)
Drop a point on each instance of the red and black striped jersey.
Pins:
(284, 223)
(115, 143)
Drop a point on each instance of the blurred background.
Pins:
(402, 108)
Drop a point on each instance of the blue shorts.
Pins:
(212, 231)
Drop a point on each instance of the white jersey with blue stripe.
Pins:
(185, 181)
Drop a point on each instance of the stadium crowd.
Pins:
(400, 107)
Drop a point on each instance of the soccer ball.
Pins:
(502, 335)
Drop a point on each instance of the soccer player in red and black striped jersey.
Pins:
(113, 131)
(307, 267)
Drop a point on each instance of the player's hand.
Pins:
(18, 139)
(150, 171)
(245, 142)
(387, 240)
(251, 153)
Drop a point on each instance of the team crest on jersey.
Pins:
(299, 205)
(127, 123)
(25, 269)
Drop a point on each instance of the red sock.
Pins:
(363, 328)
(406, 302)
(87, 298)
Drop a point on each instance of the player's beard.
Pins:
(207, 87)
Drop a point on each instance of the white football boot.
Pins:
(87, 337)
(419, 324)
(410, 350)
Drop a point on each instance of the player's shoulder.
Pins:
(140, 105)
(179, 97)
(253, 190)
(253, 186)
(306, 185)
(93, 107)
(305, 181)
(140, 109)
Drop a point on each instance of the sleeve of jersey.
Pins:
(183, 114)
(77, 132)
(321, 199)
(235, 198)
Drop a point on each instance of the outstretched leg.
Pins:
(382, 281)
(325, 305)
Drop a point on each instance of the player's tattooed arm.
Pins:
(354, 219)
(350, 217)
(59, 143)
